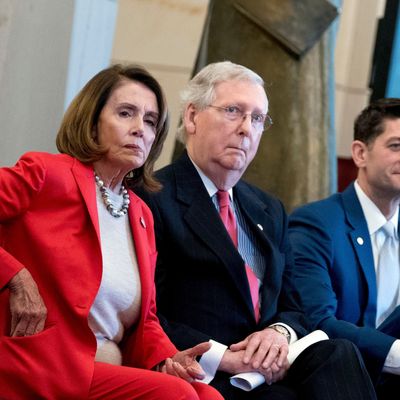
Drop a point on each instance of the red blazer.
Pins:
(49, 224)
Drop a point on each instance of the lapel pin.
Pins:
(360, 241)
(142, 222)
(260, 227)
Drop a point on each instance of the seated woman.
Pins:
(77, 257)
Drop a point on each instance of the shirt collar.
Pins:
(208, 183)
(374, 217)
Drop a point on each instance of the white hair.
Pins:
(200, 91)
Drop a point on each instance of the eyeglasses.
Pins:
(259, 121)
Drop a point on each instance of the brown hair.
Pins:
(370, 123)
(75, 136)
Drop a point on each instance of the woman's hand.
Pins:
(184, 365)
(28, 312)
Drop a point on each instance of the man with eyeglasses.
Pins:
(223, 254)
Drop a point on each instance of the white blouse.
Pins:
(117, 304)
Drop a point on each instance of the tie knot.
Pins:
(223, 198)
(389, 230)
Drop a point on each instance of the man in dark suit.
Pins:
(340, 250)
(224, 260)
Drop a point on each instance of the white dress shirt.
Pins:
(375, 220)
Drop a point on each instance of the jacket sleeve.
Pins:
(18, 187)
(289, 298)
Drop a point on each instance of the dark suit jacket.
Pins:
(335, 274)
(202, 288)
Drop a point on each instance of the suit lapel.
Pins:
(360, 239)
(84, 178)
(203, 220)
(139, 228)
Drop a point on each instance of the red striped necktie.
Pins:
(229, 220)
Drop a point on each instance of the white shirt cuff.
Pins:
(211, 359)
(392, 362)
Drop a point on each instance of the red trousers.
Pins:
(114, 382)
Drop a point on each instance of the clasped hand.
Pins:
(263, 351)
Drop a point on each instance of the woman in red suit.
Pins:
(77, 257)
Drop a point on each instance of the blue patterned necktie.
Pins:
(388, 273)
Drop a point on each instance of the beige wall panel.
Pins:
(162, 32)
(353, 55)
(349, 104)
(163, 36)
(34, 61)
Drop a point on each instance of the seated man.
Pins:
(223, 254)
(347, 266)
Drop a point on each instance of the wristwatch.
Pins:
(282, 330)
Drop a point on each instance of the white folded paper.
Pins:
(249, 380)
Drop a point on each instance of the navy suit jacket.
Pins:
(335, 274)
(202, 288)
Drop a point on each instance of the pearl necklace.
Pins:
(108, 203)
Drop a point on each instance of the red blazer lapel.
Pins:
(139, 227)
(84, 177)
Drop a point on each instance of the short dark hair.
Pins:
(75, 136)
(370, 123)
